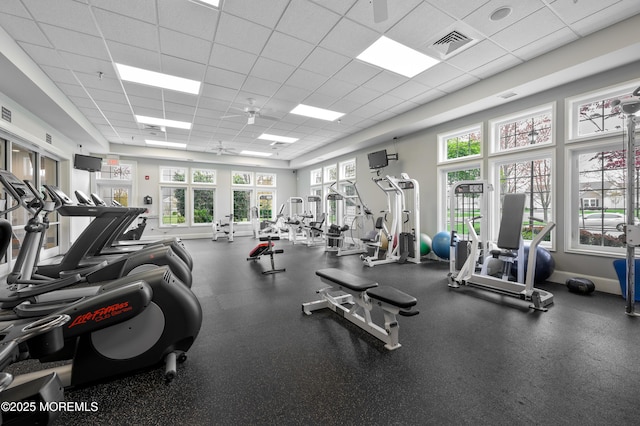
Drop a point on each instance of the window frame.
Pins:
(192, 209)
(444, 137)
(262, 185)
(193, 170)
(173, 168)
(342, 165)
(494, 129)
(161, 223)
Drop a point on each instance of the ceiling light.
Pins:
(208, 3)
(256, 153)
(313, 112)
(276, 138)
(166, 144)
(396, 57)
(500, 13)
(157, 79)
(152, 121)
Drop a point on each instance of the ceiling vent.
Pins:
(153, 129)
(451, 41)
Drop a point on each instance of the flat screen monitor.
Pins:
(378, 159)
(88, 163)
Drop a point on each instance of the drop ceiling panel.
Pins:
(498, 65)
(413, 32)
(440, 74)
(271, 70)
(385, 81)
(23, 30)
(126, 30)
(43, 55)
(189, 18)
(15, 7)
(481, 20)
(182, 68)
(232, 59)
(242, 34)
(184, 46)
(265, 13)
(325, 62)
(357, 72)
(460, 9)
(477, 55)
(349, 38)
(408, 90)
(528, 30)
(286, 49)
(614, 13)
(362, 13)
(307, 21)
(571, 12)
(143, 10)
(133, 56)
(67, 14)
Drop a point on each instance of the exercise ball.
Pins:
(425, 245)
(441, 244)
(545, 265)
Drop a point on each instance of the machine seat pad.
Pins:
(345, 279)
(392, 296)
(504, 253)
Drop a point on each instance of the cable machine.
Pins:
(630, 107)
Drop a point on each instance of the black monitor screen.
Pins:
(378, 159)
(88, 163)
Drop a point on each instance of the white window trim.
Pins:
(494, 136)
(195, 169)
(571, 211)
(442, 137)
(186, 202)
(252, 199)
(341, 165)
(186, 175)
(192, 209)
(274, 205)
(442, 217)
(275, 176)
(494, 179)
(311, 175)
(245, 185)
(325, 178)
(571, 121)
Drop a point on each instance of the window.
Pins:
(242, 205)
(316, 177)
(461, 144)
(203, 176)
(114, 182)
(173, 174)
(266, 200)
(265, 179)
(49, 176)
(242, 178)
(531, 175)
(203, 205)
(347, 169)
(447, 177)
(592, 115)
(598, 203)
(172, 205)
(330, 173)
(528, 129)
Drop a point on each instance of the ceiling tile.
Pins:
(385, 81)
(571, 11)
(357, 72)
(308, 80)
(362, 95)
(477, 55)
(43, 55)
(232, 59)
(260, 86)
(182, 68)
(268, 69)
(241, 34)
(349, 38)
(458, 83)
(307, 21)
(218, 92)
(435, 76)
(339, 6)
(78, 43)
(143, 10)
(535, 26)
(336, 88)
(613, 14)
(15, 7)
(67, 14)
(409, 90)
(287, 49)
(481, 20)
(412, 31)
(496, 66)
(189, 18)
(545, 44)
(460, 9)
(324, 62)
(265, 13)
(184, 46)
(127, 30)
(23, 30)
(362, 13)
(134, 56)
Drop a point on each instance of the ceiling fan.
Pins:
(251, 112)
(220, 149)
(380, 10)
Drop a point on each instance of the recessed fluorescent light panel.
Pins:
(157, 79)
(313, 112)
(153, 121)
(256, 153)
(165, 144)
(276, 138)
(393, 56)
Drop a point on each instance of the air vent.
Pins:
(275, 144)
(507, 95)
(153, 129)
(6, 114)
(48, 138)
(452, 40)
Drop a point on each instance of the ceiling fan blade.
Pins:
(268, 117)
(380, 12)
(229, 116)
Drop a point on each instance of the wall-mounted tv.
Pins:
(88, 163)
(378, 159)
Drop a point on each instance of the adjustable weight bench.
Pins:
(362, 295)
(265, 248)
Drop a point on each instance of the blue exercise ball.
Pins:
(545, 265)
(441, 244)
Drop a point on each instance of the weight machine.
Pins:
(223, 229)
(403, 240)
(345, 237)
(630, 107)
(510, 249)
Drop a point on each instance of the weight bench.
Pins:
(363, 294)
(266, 249)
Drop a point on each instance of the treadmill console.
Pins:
(56, 192)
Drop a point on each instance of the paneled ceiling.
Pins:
(269, 56)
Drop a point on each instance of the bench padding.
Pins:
(346, 279)
(392, 296)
